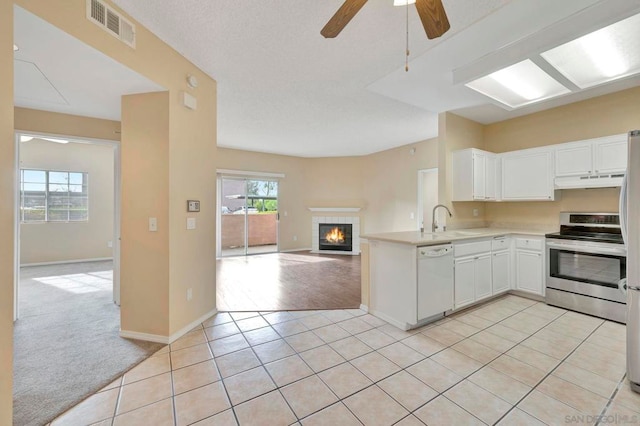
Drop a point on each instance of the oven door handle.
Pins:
(587, 249)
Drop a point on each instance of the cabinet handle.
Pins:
(596, 171)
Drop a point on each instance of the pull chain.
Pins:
(406, 63)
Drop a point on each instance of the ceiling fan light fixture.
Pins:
(518, 85)
(403, 2)
(599, 57)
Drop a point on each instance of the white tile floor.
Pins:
(512, 361)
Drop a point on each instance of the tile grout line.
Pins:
(551, 373)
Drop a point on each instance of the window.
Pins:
(51, 196)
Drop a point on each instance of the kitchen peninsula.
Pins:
(418, 277)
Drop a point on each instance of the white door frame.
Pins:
(116, 210)
(420, 209)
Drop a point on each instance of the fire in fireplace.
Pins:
(335, 236)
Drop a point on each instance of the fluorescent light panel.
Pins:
(605, 55)
(403, 2)
(518, 85)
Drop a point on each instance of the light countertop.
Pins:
(428, 239)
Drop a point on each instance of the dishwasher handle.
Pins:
(424, 252)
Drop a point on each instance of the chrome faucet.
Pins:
(434, 224)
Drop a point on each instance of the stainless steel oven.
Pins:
(586, 261)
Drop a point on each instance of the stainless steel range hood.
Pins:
(590, 181)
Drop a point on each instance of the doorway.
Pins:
(248, 216)
(67, 205)
(428, 199)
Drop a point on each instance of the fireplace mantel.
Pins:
(335, 209)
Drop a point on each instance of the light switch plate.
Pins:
(191, 223)
(193, 206)
(153, 224)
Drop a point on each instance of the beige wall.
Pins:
(65, 124)
(602, 116)
(144, 258)
(456, 133)
(308, 182)
(390, 181)
(7, 220)
(57, 241)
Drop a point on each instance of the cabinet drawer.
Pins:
(500, 243)
(467, 249)
(526, 243)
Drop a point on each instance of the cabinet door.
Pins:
(527, 175)
(500, 272)
(574, 159)
(490, 177)
(529, 272)
(479, 176)
(610, 156)
(482, 279)
(464, 292)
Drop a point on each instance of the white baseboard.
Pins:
(187, 328)
(167, 339)
(364, 308)
(62, 262)
(144, 336)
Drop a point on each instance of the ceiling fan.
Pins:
(431, 12)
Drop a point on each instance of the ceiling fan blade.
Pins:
(433, 17)
(342, 17)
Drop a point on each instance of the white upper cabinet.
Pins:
(474, 175)
(601, 156)
(527, 175)
(574, 159)
(610, 155)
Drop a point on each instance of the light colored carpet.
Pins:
(66, 342)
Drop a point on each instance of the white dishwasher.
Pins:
(435, 280)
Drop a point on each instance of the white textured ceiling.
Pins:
(55, 72)
(283, 88)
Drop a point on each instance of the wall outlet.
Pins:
(475, 212)
(110, 244)
(153, 224)
(412, 215)
(295, 238)
(285, 213)
(189, 294)
(191, 223)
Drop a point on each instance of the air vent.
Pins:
(111, 21)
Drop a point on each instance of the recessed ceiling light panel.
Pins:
(607, 54)
(518, 85)
(403, 2)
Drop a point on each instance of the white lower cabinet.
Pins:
(529, 267)
(530, 264)
(464, 291)
(472, 274)
(501, 271)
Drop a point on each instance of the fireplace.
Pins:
(319, 242)
(335, 236)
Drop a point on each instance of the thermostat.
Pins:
(193, 205)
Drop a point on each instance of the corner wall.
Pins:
(7, 215)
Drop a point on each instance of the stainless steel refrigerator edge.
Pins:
(630, 214)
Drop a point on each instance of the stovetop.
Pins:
(599, 237)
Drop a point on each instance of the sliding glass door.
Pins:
(248, 216)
